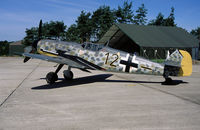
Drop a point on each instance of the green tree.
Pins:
(52, 30)
(72, 34)
(140, 17)
(124, 14)
(161, 21)
(84, 26)
(196, 32)
(170, 20)
(31, 36)
(4, 47)
(102, 19)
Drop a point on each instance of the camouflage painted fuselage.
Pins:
(105, 57)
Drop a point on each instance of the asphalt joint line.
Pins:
(165, 92)
(20, 84)
(172, 94)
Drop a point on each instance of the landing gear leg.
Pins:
(68, 75)
(168, 81)
(51, 77)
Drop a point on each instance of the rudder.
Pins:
(186, 64)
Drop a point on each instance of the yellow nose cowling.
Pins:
(186, 64)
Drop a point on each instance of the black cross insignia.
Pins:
(129, 63)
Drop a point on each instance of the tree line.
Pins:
(4, 48)
(91, 26)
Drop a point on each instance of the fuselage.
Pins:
(105, 57)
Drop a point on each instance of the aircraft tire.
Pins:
(68, 75)
(51, 77)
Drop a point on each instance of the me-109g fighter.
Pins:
(90, 56)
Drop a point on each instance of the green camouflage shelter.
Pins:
(150, 41)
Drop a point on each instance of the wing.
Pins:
(73, 61)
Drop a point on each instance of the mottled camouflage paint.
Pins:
(106, 58)
(174, 59)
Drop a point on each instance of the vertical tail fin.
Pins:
(174, 59)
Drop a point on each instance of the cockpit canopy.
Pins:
(92, 46)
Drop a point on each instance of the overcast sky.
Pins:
(17, 15)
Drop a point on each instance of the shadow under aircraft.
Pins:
(96, 78)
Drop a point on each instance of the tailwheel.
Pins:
(68, 75)
(168, 81)
(51, 77)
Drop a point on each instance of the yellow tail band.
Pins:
(186, 64)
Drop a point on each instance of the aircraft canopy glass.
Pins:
(92, 46)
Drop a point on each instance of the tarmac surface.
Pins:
(96, 100)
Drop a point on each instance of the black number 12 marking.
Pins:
(112, 63)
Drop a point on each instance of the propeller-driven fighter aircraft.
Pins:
(91, 56)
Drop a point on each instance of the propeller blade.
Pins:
(33, 48)
(31, 51)
(40, 30)
(26, 59)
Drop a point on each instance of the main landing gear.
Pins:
(68, 75)
(51, 77)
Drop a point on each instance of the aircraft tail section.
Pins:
(179, 63)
